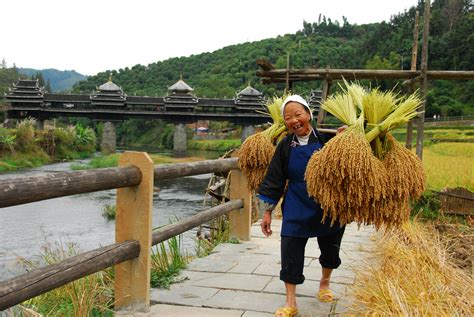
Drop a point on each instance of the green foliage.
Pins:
(427, 206)
(59, 81)
(386, 45)
(109, 211)
(167, 261)
(90, 295)
(98, 162)
(219, 233)
(214, 145)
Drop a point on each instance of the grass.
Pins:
(113, 159)
(214, 145)
(109, 211)
(167, 260)
(218, 233)
(449, 165)
(17, 161)
(89, 296)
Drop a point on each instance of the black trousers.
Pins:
(292, 255)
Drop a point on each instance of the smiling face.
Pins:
(297, 118)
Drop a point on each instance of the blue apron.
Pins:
(301, 214)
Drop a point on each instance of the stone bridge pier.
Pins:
(179, 139)
(108, 142)
(247, 130)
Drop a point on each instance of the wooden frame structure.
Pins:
(289, 76)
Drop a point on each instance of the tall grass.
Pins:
(214, 145)
(90, 295)
(167, 260)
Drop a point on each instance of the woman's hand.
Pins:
(266, 223)
(341, 129)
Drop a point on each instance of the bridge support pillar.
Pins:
(39, 124)
(108, 143)
(179, 139)
(247, 130)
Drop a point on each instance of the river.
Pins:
(26, 229)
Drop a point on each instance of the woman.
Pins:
(301, 214)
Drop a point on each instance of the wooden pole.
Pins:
(24, 190)
(288, 84)
(133, 222)
(177, 170)
(240, 220)
(424, 80)
(414, 56)
(324, 96)
(184, 225)
(40, 281)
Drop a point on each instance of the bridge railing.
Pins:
(130, 253)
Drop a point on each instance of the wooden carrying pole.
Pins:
(133, 222)
(414, 56)
(424, 80)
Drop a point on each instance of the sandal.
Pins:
(325, 295)
(286, 312)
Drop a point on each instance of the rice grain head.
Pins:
(347, 180)
(254, 156)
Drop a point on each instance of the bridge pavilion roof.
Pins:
(249, 98)
(108, 94)
(180, 87)
(25, 90)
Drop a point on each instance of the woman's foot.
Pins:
(286, 312)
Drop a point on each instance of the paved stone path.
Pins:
(243, 279)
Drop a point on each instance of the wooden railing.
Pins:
(130, 254)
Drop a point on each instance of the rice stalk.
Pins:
(413, 278)
(254, 156)
(347, 180)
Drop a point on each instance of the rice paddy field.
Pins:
(425, 268)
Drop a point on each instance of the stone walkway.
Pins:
(243, 279)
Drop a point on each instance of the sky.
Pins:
(90, 36)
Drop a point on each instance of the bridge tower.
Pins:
(27, 93)
(180, 98)
(248, 100)
(108, 96)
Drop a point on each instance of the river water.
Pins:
(26, 229)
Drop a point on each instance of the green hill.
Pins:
(385, 45)
(60, 80)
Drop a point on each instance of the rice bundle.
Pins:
(406, 181)
(366, 176)
(257, 150)
(347, 193)
(255, 155)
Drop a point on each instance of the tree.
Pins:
(4, 63)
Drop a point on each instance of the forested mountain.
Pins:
(59, 80)
(385, 45)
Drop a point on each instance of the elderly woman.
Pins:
(301, 214)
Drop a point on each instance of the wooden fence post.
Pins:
(133, 222)
(240, 219)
